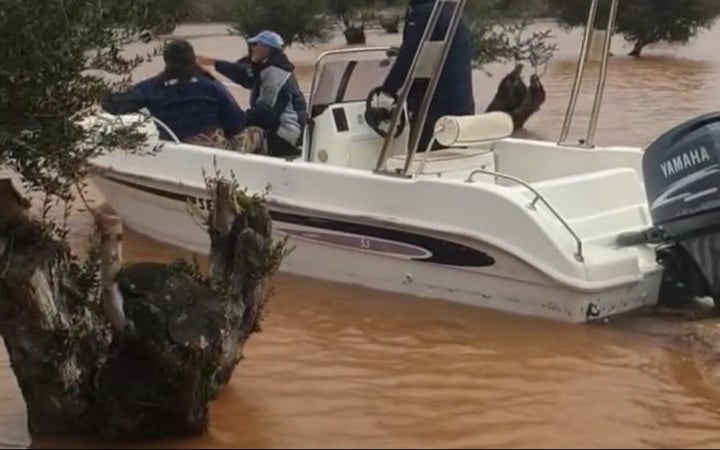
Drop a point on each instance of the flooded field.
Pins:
(344, 366)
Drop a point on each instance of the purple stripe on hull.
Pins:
(412, 245)
(362, 243)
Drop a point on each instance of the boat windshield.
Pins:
(347, 76)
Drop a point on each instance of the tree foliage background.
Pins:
(643, 22)
(59, 59)
(499, 27)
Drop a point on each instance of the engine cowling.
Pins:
(682, 180)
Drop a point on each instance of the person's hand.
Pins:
(392, 96)
(204, 60)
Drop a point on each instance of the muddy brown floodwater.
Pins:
(344, 366)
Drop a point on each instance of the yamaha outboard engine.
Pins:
(682, 181)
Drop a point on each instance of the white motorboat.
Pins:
(524, 226)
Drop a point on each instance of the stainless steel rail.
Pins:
(532, 205)
(580, 71)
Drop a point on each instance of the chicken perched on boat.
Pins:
(516, 98)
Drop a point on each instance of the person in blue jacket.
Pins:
(195, 106)
(277, 104)
(454, 93)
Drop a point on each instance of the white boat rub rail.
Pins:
(570, 282)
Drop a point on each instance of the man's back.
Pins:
(454, 90)
(191, 107)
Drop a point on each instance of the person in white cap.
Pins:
(277, 104)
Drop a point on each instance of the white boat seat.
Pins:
(612, 199)
(458, 131)
(446, 160)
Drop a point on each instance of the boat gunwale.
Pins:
(574, 283)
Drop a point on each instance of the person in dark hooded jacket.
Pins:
(195, 106)
(276, 102)
(454, 93)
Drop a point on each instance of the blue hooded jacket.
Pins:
(189, 108)
(454, 93)
(276, 102)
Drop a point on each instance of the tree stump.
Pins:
(355, 33)
(141, 353)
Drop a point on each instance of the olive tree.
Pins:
(498, 26)
(644, 22)
(500, 33)
(60, 58)
(301, 21)
(101, 348)
(346, 11)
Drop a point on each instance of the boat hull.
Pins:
(382, 256)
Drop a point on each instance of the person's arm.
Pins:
(129, 102)
(233, 118)
(272, 99)
(412, 34)
(239, 72)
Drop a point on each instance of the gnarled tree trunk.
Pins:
(516, 99)
(354, 31)
(143, 358)
(637, 49)
(390, 23)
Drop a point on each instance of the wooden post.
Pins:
(111, 235)
(224, 212)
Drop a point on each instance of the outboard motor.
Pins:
(682, 181)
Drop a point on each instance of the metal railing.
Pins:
(435, 78)
(538, 196)
(411, 76)
(167, 129)
(580, 71)
(145, 113)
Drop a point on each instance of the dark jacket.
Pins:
(454, 94)
(276, 102)
(188, 108)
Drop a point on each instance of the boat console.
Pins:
(349, 121)
(338, 132)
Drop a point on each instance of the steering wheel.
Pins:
(375, 115)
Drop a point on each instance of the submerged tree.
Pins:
(500, 31)
(301, 21)
(495, 24)
(98, 347)
(644, 22)
(347, 12)
(164, 15)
